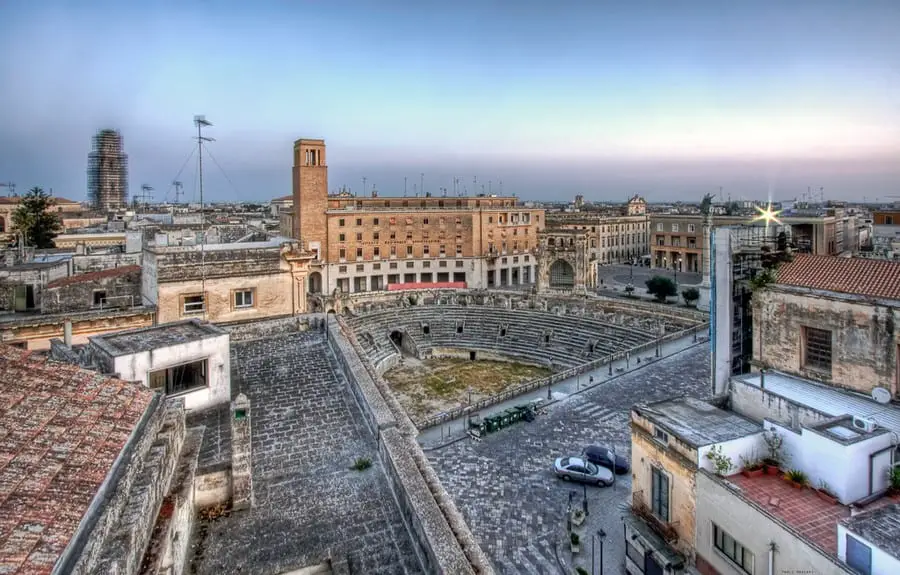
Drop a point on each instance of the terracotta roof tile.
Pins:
(873, 278)
(61, 429)
(94, 276)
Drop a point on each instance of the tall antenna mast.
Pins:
(179, 189)
(201, 122)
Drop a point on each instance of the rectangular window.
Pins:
(359, 221)
(99, 297)
(691, 228)
(358, 236)
(342, 269)
(375, 236)
(393, 251)
(341, 222)
(393, 265)
(359, 253)
(376, 267)
(409, 251)
(459, 264)
(675, 227)
(442, 264)
(660, 494)
(342, 254)
(360, 267)
(342, 237)
(659, 227)
(425, 249)
(817, 349)
(736, 552)
(194, 303)
(375, 222)
(179, 378)
(243, 298)
(393, 235)
(376, 252)
(859, 555)
(458, 251)
(425, 221)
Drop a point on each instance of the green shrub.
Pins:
(362, 463)
(797, 476)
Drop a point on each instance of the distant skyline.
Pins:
(604, 99)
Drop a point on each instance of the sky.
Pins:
(670, 99)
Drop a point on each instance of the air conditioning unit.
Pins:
(864, 424)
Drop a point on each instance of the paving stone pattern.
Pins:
(505, 487)
(307, 432)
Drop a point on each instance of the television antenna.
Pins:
(11, 186)
(179, 190)
(201, 122)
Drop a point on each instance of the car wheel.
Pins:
(601, 483)
(566, 478)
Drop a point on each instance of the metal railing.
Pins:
(554, 378)
(664, 529)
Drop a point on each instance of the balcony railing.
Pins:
(664, 529)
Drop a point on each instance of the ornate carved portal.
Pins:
(564, 262)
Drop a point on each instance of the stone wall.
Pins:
(121, 292)
(864, 336)
(759, 404)
(247, 331)
(444, 543)
(184, 264)
(86, 263)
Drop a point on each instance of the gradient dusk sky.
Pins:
(667, 98)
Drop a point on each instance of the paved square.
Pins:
(307, 432)
(505, 486)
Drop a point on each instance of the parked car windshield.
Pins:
(591, 468)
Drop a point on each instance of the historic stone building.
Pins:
(370, 243)
(834, 320)
(565, 261)
(226, 282)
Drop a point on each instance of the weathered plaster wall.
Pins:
(275, 295)
(759, 404)
(121, 291)
(677, 461)
(865, 337)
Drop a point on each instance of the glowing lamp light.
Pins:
(767, 215)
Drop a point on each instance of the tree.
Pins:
(661, 287)
(690, 295)
(35, 220)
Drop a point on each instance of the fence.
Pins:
(554, 378)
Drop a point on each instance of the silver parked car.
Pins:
(577, 469)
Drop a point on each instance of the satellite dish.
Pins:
(881, 395)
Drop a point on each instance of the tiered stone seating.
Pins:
(536, 336)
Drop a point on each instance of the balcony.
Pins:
(662, 528)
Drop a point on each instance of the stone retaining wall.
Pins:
(443, 541)
(248, 331)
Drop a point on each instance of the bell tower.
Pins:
(310, 187)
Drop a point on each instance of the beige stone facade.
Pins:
(614, 238)
(62, 207)
(674, 460)
(225, 282)
(844, 340)
(368, 243)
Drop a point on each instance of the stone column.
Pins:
(241, 454)
(706, 256)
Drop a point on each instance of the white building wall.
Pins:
(756, 531)
(749, 447)
(882, 563)
(844, 468)
(138, 366)
(720, 307)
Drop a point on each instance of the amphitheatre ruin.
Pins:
(357, 468)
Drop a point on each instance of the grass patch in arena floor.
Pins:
(431, 386)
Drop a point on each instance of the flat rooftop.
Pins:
(813, 518)
(880, 526)
(276, 242)
(61, 430)
(825, 399)
(697, 422)
(149, 338)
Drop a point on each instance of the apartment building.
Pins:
(885, 240)
(370, 243)
(615, 238)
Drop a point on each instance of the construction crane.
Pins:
(11, 186)
(144, 195)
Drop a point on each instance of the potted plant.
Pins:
(721, 462)
(575, 542)
(894, 480)
(772, 461)
(581, 571)
(825, 494)
(577, 517)
(752, 467)
(797, 478)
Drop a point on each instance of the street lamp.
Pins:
(600, 534)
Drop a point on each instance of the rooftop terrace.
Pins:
(813, 518)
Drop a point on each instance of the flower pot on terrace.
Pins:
(772, 470)
(826, 497)
(753, 472)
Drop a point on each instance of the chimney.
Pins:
(67, 333)
(762, 379)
